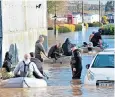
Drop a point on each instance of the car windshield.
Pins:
(104, 61)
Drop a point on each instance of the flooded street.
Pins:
(60, 83)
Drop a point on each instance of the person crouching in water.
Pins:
(55, 51)
(27, 68)
(76, 64)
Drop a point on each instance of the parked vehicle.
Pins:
(101, 70)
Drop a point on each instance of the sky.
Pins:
(96, 1)
(93, 1)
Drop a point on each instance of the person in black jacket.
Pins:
(7, 67)
(7, 64)
(67, 47)
(55, 51)
(39, 48)
(37, 62)
(76, 64)
(97, 39)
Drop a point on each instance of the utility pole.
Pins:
(55, 17)
(82, 12)
(99, 12)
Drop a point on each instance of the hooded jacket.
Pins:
(53, 50)
(67, 46)
(38, 48)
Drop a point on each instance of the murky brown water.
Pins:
(60, 84)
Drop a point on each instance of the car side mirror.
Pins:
(87, 66)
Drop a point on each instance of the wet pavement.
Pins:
(60, 83)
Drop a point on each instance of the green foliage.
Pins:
(104, 20)
(109, 6)
(86, 25)
(78, 27)
(108, 30)
(95, 24)
(53, 5)
(63, 29)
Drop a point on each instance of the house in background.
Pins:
(110, 18)
(77, 18)
(90, 18)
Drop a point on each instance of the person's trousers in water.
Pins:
(76, 74)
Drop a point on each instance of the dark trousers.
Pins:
(76, 74)
(39, 57)
(55, 56)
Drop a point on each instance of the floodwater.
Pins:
(60, 83)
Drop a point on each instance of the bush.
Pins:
(90, 24)
(95, 24)
(70, 26)
(108, 30)
(105, 20)
(86, 25)
(63, 29)
(78, 27)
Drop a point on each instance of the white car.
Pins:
(101, 71)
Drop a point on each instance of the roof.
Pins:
(108, 51)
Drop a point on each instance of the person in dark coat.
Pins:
(76, 64)
(37, 62)
(67, 47)
(7, 64)
(97, 39)
(39, 48)
(55, 51)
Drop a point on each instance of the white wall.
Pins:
(91, 18)
(77, 19)
(23, 23)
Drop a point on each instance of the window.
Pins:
(104, 61)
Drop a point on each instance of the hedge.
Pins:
(63, 29)
(95, 24)
(108, 30)
(78, 27)
(105, 20)
(86, 25)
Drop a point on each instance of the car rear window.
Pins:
(104, 61)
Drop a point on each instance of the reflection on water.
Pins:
(60, 83)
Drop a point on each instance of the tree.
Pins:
(109, 6)
(60, 6)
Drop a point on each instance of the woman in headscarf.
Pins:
(7, 65)
(67, 47)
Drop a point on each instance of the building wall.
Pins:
(77, 19)
(0, 34)
(23, 22)
(91, 18)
